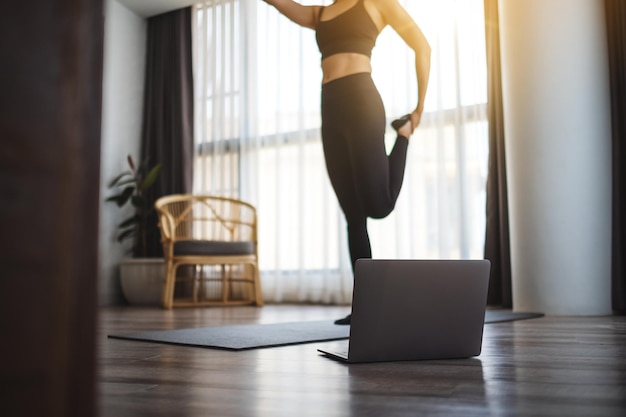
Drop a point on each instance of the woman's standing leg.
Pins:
(366, 180)
(340, 172)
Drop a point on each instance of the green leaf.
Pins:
(133, 220)
(125, 195)
(128, 181)
(122, 197)
(131, 163)
(126, 234)
(151, 177)
(116, 181)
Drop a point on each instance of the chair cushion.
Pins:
(211, 247)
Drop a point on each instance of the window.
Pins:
(257, 137)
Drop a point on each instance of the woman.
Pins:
(366, 180)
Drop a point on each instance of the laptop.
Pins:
(416, 310)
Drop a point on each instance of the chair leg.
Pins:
(224, 284)
(168, 286)
(195, 281)
(258, 293)
(202, 282)
(172, 286)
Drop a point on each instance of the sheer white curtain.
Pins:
(257, 126)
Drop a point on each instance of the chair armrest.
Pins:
(167, 225)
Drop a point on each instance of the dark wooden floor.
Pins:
(553, 366)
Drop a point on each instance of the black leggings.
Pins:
(366, 180)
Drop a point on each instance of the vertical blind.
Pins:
(257, 78)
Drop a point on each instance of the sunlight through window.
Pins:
(257, 132)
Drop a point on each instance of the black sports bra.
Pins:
(350, 31)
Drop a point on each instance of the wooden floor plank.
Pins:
(551, 366)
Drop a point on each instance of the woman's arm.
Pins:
(303, 15)
(398, 18)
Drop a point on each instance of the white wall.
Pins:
(557, 122)
(122, 103)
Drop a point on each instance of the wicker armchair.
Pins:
(216, 238)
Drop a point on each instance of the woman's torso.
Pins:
(346, 33)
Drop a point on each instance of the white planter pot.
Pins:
(142, 280)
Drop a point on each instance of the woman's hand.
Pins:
(416, 117)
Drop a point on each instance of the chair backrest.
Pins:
(204, 217)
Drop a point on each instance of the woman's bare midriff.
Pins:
(344, 64)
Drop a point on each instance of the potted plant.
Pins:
(141, 277)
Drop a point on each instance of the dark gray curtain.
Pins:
(167, 136)
(616, 32)
(497, 230)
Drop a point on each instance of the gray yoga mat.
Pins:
(254, 336)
